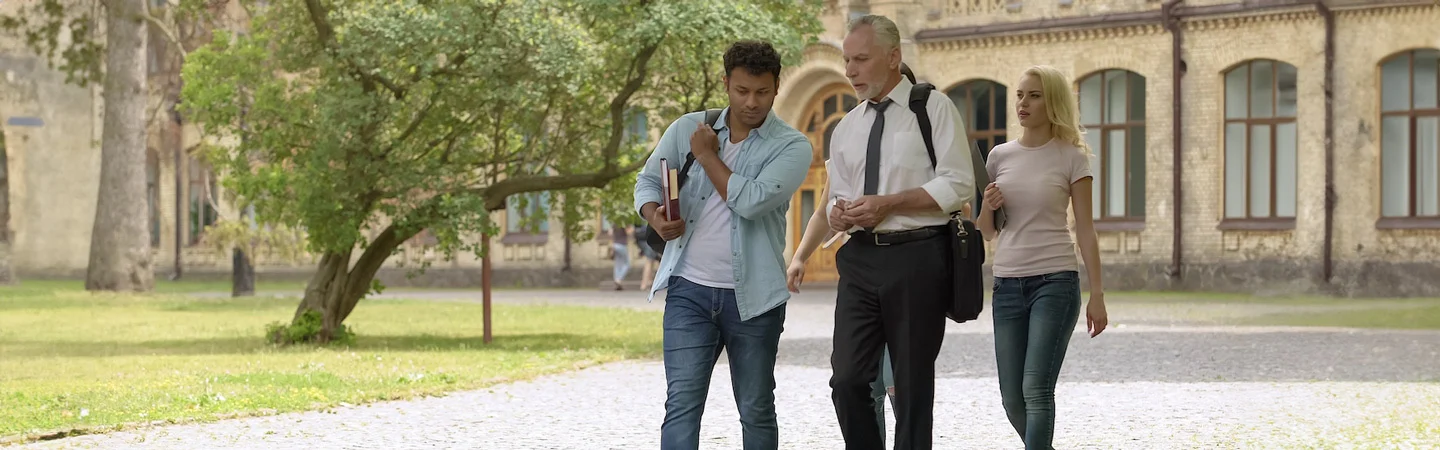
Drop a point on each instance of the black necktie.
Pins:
(872, 152)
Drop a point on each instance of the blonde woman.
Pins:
(1036, 302)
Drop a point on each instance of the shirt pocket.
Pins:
(750, 167)
(909, 148)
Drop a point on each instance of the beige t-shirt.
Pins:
(1035, 182)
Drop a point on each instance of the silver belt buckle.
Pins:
(877, 240)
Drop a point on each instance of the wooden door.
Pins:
(818, 123)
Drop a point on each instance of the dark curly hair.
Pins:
(755, 56)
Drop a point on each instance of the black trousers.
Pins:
(889, 295)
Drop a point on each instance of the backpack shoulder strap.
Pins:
(919, 96)
(712, 116)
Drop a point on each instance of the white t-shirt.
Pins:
(708, 260)
(1035, 182)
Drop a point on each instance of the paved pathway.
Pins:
(1145, 384)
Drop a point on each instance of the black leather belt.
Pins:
(898, 237)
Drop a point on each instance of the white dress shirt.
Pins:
(904, 162)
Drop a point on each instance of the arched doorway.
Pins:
(818, 122)
(982, 106)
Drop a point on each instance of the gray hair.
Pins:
(886, 33)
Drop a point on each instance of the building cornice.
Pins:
(1141, 23)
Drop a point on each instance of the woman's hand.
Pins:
(795, 275)
(993, 198)
(1095, 316)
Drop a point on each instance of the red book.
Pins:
(670, 190)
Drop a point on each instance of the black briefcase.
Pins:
(967, 262)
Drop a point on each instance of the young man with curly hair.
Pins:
(723, 264)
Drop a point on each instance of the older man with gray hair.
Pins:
(895, 271)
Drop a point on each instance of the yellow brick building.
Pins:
(1265, 103)
(1236, 89)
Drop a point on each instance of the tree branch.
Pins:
(165, 28)
(326, 33)
(496, 193)
(415, 123)
(638, 72)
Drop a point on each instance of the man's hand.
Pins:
(795, 275)
(869, 210)
(668, 229)
(837, 217)
(704, 142)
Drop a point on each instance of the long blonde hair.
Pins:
(1061, 106)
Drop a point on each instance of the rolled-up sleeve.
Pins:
(647, 182)
(954, 182)
(776, 182)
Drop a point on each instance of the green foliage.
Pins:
(346, 116)
(69, 34)
(306, 328)
(278, 241)
(42, 24)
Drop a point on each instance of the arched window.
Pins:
(1260, 141)
(825, 115)
(1410, 134)
(1112, 110)
(982, 106)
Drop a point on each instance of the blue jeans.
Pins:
(622, 261)
(880, 390)
(699, 323)
(1034, 317)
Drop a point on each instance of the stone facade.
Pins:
(951, 43)
(960, 46)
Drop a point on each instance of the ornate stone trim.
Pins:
(1050, 37)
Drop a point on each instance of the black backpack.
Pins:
(652, 238)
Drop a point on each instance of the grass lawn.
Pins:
(70, 360)
(1200, 308)
(1416, 316)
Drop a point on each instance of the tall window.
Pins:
(637, 129)
(528, 213)
(1410, 134)
(1112, 110)
(982, 105)
(202, 199)
(1260, 141)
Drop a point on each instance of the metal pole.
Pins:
(485, 283)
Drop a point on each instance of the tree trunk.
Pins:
(337, 287)
(120, 258)
(242, 272)
(242, 276)
(7, 275)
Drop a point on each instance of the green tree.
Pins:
(364, 122)
(67, 34)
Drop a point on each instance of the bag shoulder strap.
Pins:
(712, 116)
(919, 97)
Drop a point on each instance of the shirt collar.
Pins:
(900, 94)
(766, 129)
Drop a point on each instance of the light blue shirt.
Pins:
(773, 161)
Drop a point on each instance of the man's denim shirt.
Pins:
(773, 161)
